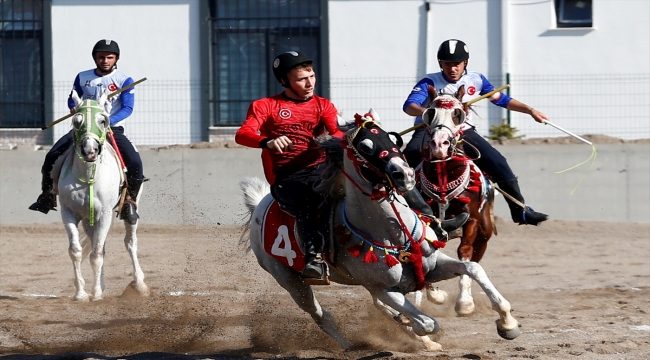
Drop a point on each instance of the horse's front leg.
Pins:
(131, 244)
(421, 323)
(102, 226)
(75, 251)
(447, 268)
(405, 322)
(465, 301)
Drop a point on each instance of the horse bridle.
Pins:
(369, 169)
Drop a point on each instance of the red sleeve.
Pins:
(330, 120)
(247, 134)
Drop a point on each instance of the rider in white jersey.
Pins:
(91, 84)
(453, 57)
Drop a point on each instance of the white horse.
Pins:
(89, 178)
(384, 247)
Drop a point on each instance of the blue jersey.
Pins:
(89, 85)
(475, 85)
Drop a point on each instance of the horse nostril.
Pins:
(398, 175)
(446, 142)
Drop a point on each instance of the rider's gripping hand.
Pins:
(280, 144)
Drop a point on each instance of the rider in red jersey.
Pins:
(285, 127)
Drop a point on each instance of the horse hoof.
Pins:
(508, 334)
(81, 298)
(464, 308)
(136, 290)
(430, 344)
(437, 296)
(98, 298)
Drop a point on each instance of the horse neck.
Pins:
(453, 168)
(379, 219)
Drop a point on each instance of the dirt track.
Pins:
(580, 290)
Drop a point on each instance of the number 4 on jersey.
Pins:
(282, 245)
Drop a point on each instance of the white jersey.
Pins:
(475, 85)
(89, 85)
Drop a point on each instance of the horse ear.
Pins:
(432, 92)
(344, 125)
(102, 99)
(75, 97)
(375, 116)
(460, 93)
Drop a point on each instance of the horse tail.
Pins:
(254, 190)
(86, 245)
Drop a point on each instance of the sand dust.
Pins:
(581, 290)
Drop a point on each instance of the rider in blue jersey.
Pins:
(453, 57)
(91, 84)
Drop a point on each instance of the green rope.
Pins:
(594, 153)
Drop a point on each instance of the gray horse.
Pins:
(392, 254)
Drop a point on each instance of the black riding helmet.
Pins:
(453, 50)
(107, 46)
(287, 61)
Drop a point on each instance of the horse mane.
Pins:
(333, 180)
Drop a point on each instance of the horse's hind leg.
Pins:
(304, 296)
(75, 251)
(131, 244)
(447, 268)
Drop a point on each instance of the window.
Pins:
(245, 37)
(574, 13)
(21, 64)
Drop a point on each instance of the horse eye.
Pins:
(458, 117)
(366, 146)
(77, 120)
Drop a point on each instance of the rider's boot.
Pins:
(47, 200)
(441, 228)
(129, 209)
(520, 215)
(314, 268)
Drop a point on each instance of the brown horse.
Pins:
(452, 184)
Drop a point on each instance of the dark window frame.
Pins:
(232, 110)
(24, 91)
(565, 18)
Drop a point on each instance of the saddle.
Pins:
(282, 240)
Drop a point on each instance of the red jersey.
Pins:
(300, 121)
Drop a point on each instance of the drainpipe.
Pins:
(505, 58)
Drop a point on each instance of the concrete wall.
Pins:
(201, 186)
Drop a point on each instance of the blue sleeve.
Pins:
(418, 96)
(77, 88)
(128, 99)
(503, 99)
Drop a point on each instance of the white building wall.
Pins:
(376, 55)
(581, 78)
(158, 40)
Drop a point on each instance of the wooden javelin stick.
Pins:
(415, 127)
(108, 97)
(487, 95)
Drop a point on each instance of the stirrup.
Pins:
(129, 213)
(316, 272)
(44, 203)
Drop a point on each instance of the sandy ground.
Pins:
(580, 291)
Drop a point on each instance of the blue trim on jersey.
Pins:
(419, 97)
(128, 99)
(487, 87)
